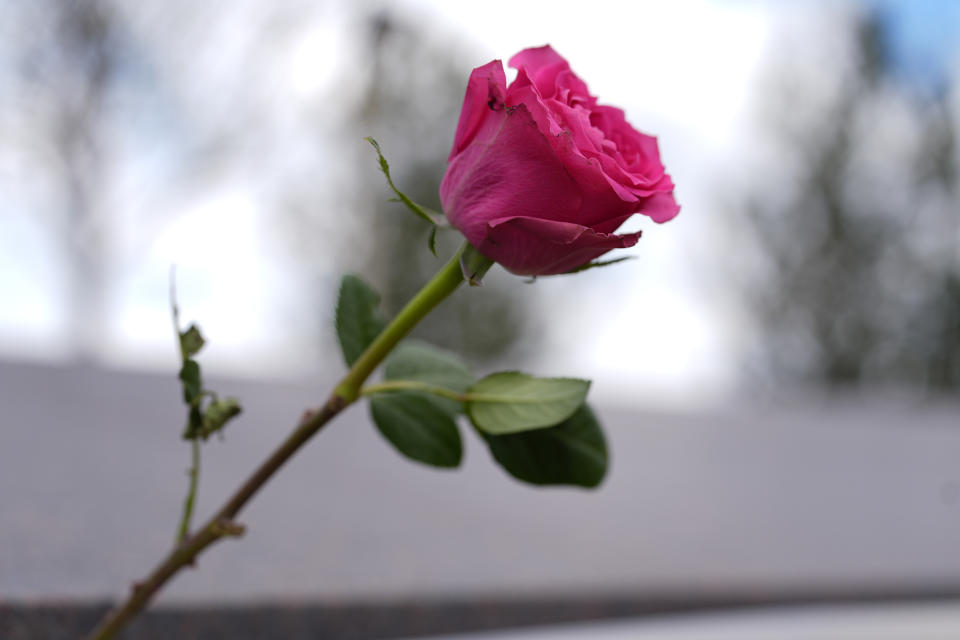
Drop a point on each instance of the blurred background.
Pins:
(784, 356)
(813, 145)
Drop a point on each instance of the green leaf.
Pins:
(573, 452)
(357, 318)
(415, 360)
(191, 341)
(192, 384)
(194, 422)
(599, 263)
(511, 401)
(426, 213)
(418, 428)
(432, 241)
(474, 265)
(218, 413)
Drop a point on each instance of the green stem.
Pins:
(175, 312)
(441, 286)
(223, 523)
(415, 385)
(412, 385)
(194, 473)
(188, 503)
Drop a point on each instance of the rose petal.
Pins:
(487, 86)
(661, 207)
(522, 92)
(509, 168)
(542, 184)
(637, 161)
(536, 247)
(542, 65)
(574, 89)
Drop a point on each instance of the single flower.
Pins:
(541, 176)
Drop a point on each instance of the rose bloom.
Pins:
(541, 176)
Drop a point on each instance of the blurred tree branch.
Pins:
(861, 234)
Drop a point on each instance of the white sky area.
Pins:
(647, 329)
(659, 327)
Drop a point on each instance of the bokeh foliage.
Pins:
(858, 283)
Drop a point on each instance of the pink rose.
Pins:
(540, 175)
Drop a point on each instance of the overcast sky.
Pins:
(660, 326)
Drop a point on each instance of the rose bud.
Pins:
(541, 176)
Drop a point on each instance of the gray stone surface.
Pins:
(835, 618)
(930, 621)
(92, 475)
